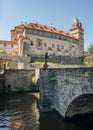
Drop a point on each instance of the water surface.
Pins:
(21, 112)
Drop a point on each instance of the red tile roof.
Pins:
(50, 29)
(19, 28)
(7, 42)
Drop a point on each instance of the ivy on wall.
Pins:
(52, 75)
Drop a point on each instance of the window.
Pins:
(39, 43)
(58, 46)
(52, 35)
(45, 34)
(40, 33)
(45, 44)
(71, 40)
(28, 31)
(4, 45)
(64, 38)
(69, 48)
(53, 45)
(68, 39)
(49, 34)
(35, 32)
(60, 37)
(11, 46)
(62, 47)
(31, 43)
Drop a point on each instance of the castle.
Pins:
(35, 39)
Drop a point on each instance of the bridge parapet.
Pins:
(60, 87)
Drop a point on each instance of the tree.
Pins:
(90, 53)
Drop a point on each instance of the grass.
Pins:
(64, 63)
(40, 62)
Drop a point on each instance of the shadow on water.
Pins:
(52, 120)
(21, 112)
(85, 122)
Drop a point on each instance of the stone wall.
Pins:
(2, 81)
(12, 62)
(59, 59)
(19, 80)
(60, 87)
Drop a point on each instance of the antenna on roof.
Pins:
(62, 28)
(36, 22)
(21, 22)
(51, 25)
(25, 23)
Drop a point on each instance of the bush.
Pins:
(2, 52)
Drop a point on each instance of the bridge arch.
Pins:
(67, 89)
(81, 105)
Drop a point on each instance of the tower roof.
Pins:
(76, 23)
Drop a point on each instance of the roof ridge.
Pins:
(7, 42)
(41, 27)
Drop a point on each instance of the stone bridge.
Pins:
(67, 90)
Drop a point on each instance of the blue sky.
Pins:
(59, 13)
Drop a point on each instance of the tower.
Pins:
(78, 32)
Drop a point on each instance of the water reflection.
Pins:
(21, 112)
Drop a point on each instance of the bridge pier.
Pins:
(59, 89)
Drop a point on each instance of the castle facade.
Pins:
(35, 39)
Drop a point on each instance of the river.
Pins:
(21, 112)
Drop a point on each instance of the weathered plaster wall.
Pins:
(64, 86)
(18, 80)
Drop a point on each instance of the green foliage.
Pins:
(33, 107)
(52, 75)
(21, 89)
(34, 80)
(90, 54)
(40, 63)
(90, 50)
(56, 63)
(2, 52)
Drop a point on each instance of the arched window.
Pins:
(39, 44)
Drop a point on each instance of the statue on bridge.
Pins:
(46, 60)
